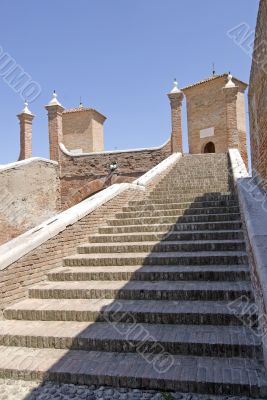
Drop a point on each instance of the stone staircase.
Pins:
(158, 299)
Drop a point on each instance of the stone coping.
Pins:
(253, 201)
(26, 162)
(70, 154)
(238, 166)
(28, 241)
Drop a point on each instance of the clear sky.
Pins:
(120, 56)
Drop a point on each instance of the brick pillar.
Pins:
(25, 120)
(55, 110)
(230, 92)
(176, 98)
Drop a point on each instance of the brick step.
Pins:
(152, 273)
(164, 246)
(194, 179)
(184, 199)
(178, 206)
(210, 375)
(199, 167)
(167, 236)
(194, 183)
(183, 180)
(135, 311)
(174, 258)
(197, 191)
(174, 219)
(172, 228)
(182, 211)
(196, 340)
(138, 290)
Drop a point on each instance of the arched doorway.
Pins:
(209, 148)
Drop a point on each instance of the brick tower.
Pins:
(216, 115)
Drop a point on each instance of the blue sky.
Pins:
(120, 56)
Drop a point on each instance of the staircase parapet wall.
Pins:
(76, 169)
(26, 259)
(253, 207)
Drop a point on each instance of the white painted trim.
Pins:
(68, 153)
(239, 169)
(28, 241)
(158, 169)
(25, 162)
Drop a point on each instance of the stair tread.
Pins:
(143, 306)
(157, 254)
(118, 366)
(132, 234)
(181, 216)
(151, 268)
(162, 243)
(210, 334)
(186, 223)
(144, 285)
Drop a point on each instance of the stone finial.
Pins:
(54, 101)
(230, 83)
(25, 109)
(175, 88)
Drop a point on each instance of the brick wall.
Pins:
(30, 194)
(81, 176)
(258, 97)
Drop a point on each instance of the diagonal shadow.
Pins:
(129, 320)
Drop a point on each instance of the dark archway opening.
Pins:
(209, 148)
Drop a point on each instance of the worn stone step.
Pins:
(157, 194)
(152, 273)
(183, 205)
(174, 258)
(163, 236)
(141, 290)
(174, 219)
(170, 228)
(167, 372)
(197, 340)
(185, 174)
(166, 245)
(179, 212)
(193, 180)
(208, 186)
(134, 311)
(185, 198)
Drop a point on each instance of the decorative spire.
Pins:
(81, 104)
(230, 83)
(213, 69)
(175, 88)
(54, 101)
(26, 109)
